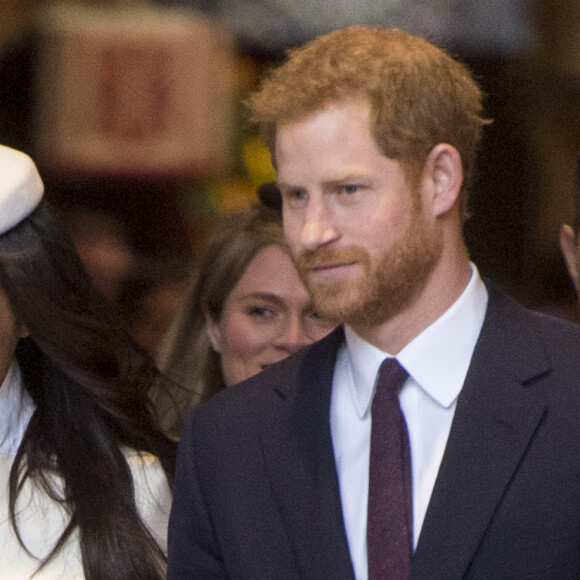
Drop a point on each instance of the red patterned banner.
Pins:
(134, 92)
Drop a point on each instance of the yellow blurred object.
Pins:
(258, 161)
(232, 194)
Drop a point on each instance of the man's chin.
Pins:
(333, 304)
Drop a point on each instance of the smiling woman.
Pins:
(267, 316)
(247, 309)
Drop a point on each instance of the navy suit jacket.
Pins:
(257, 495)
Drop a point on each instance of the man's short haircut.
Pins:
(419, 95)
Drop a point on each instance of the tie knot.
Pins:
(392, 376)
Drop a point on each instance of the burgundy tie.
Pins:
(389, 524)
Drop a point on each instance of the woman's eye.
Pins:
(320, 319)
(260, 312)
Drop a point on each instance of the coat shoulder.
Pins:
(301, 378)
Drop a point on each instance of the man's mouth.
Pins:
(330, 270)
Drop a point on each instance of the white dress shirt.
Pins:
(436, 361)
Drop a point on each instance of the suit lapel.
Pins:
(298, 450)
(495, 420)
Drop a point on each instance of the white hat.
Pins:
(21, 188)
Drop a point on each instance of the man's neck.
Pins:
(443, 288)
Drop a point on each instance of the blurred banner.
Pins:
(135, 91)
(479, 27)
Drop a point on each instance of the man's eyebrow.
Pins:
(347, 178)
(282, 185)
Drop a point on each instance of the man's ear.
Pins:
(213, 331)
(444, 172)
(569, 251)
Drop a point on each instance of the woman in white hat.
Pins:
(84, 469)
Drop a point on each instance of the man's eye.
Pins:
(350, 189)
(295, 197)
(298, 194)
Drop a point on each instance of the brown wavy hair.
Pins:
(187, 356)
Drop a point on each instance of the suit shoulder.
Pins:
(526, 344)
(502, 308)
(278, 384)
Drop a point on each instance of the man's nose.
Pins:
(317, 229)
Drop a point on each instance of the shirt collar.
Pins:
(16, 408)
(446, 345)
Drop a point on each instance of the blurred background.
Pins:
(132, 110)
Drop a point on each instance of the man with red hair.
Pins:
(292, 474)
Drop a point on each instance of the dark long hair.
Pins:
(89, 382)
